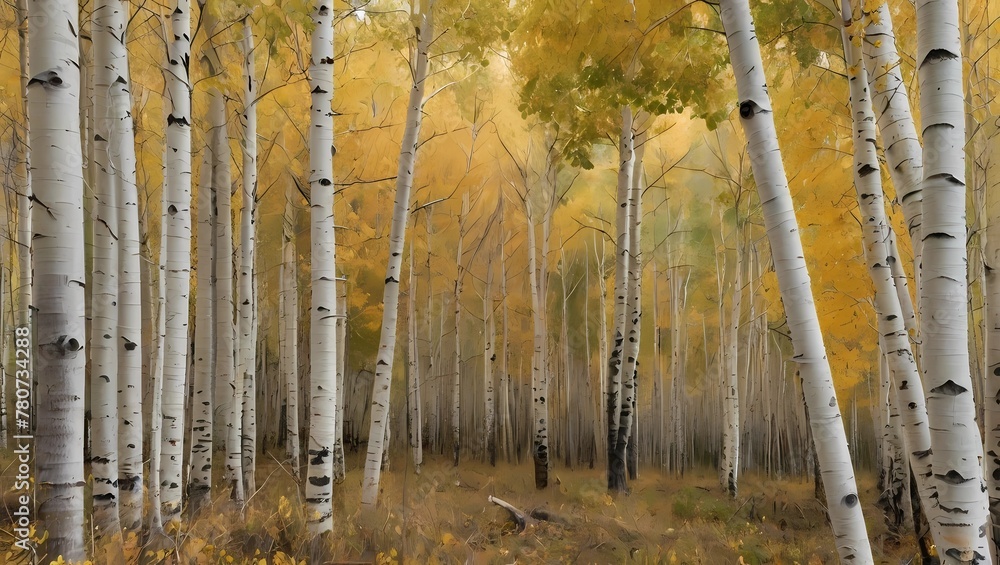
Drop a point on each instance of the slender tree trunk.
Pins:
(290, 332)
(413, 367)
(57, 240)
(339, 465)
(617, 481)
(880, 257)
(177, 203)
(489, 358)
(943, 290)
(628, 431)
(404, 182)
(539, 385)
(24, 199)
(156, 385)
(107, 26)
(731, 408)
(456, 382)
(601, 425)
(248, 297)
(505, 421)
(323, 313)
(130, 350)
(200, 475)
(757, 120)
(895, 123)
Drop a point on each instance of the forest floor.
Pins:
(443, 515)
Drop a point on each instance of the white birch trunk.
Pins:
(539, 384)
(200, 474)
(397, 235)
(248, 298)
(505, 421)
(880, 257)
(629, 413)
(616, 377)
(944, 328)
(177, 202)
(600, 411)
(59, 278)
(156, 384)
(756, 117)
(731, 400)
(290, 333)
(106, 28)
(895, 123)
(323, 312)
(130, 351)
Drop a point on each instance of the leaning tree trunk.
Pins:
(289, 321)
(130, 359)
(909, 391)
(58, 284)
(756, 116)
(397, 235)
(895, 122)
(177, 203)
(200, 474)
(617, 481)
(323, 313)
(107, 26)
(248, 296)
(943, 288)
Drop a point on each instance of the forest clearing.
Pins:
(584, 281)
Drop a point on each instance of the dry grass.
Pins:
(443, 516)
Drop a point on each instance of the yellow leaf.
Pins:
(447, 539)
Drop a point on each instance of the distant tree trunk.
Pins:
(456, 383)
(57, 238)
(339, 465)
(505, 420)
(617, 481)
(489, 358)
(200, 475)
(248, 294)
(289, 321)
(757, 120)
(601, 420)
(943, 288)
(177, 202)
(413, 367)
(323, 313)
(731, 407)
(156, 386)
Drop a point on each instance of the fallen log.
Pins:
(521, 519)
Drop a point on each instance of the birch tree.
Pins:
(757, 120)
(413, 368)
(130, 351)
(58, 284)
(323, 338)
(24, 201)
(248, 299)
(422, 16)
(902, 365)
(200, 475)
(107, 26)
(617, 395)
(289, 321)
(943, 291)
(177, 203)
